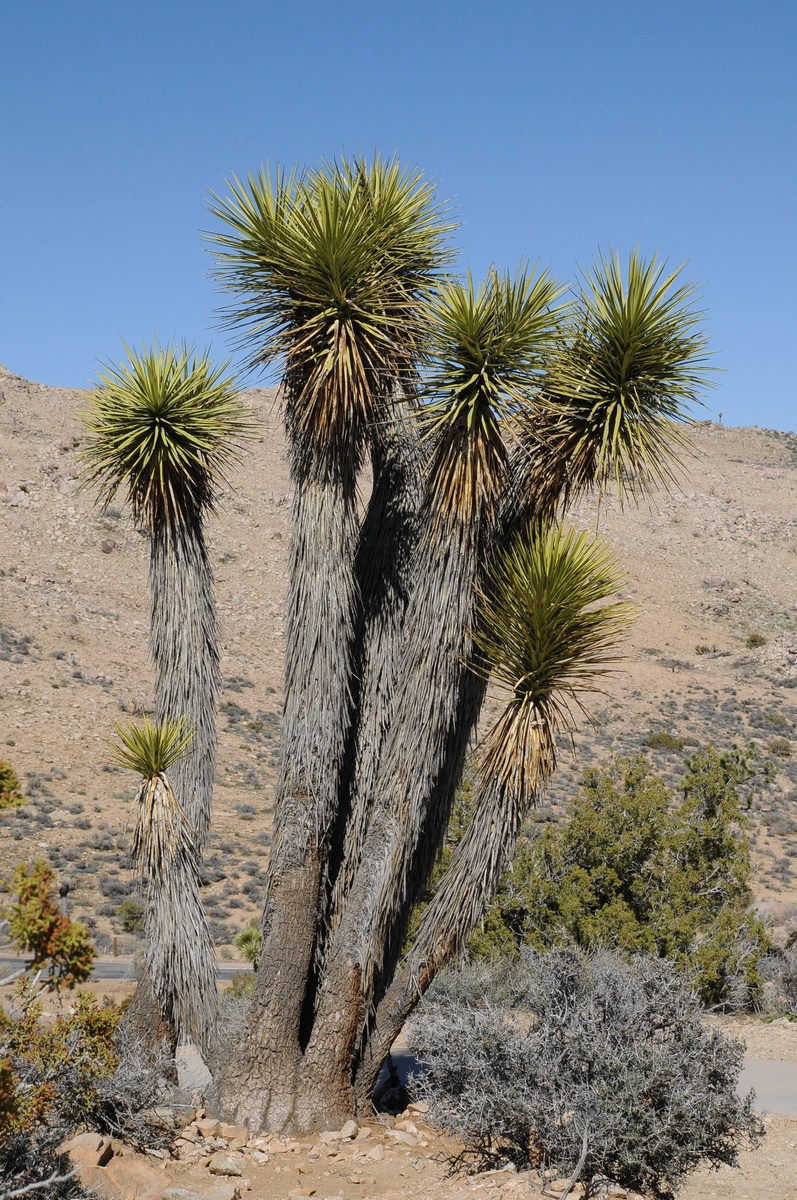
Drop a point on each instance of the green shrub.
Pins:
(780, 746)
(609, 1074)
(635, 871)
(754, 640)
(131, 914)
(37, 926)
(662, 740)
(243, 984)
(10, 787)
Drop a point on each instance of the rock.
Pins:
(234, 1132)
(401, 1135)
(206, 1127)
(329, 1135)
(349, 1130)
(108, 545)
(88, 1149)
(132, 1178)
(226, 1164)
(363, 1134)
(376, 1153)
(418, 1106)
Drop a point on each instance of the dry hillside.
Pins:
(708, 566)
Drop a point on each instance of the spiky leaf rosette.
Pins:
(487, 348)
(328, 267)
(547, 632)
(164, 426)
(618, 394)
(162, 835)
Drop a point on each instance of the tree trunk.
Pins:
(425, 709)
(184, 642)
(180, 965)
(258, 1085)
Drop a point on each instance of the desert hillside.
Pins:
(711, 657)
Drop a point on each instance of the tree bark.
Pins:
(258, 1086)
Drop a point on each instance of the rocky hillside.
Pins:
(712, 656)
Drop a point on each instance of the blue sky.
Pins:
(556, 128)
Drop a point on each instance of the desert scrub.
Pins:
(634, 870)
(131, 915)
(78, 1071)
(661, 740)
(607, 1073)
(10, 787)
(754, 641)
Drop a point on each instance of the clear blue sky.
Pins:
(557, 127)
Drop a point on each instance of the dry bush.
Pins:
(604, 1070)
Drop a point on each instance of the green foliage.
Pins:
(249, 942)
(81, 1043)
(165, 426)
(661, 740)
(242, 986)
(755, 640)
(152, 749)
(780, 746)
(634, 871)
(131, 914)
(633, 367)
(328, 268)
(487, 348)
(10, 787)
(38, 926)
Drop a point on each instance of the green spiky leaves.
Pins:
(164, 427)
(487, 349)
(151, 749)
(548, 631)
(162, 834)
(623, 384)
(328, 268)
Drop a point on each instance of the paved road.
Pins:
(121, 968)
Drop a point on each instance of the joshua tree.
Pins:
(485, 410)
(163, 428)
(329, 269)
(179, 951)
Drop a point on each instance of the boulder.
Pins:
(226, 1164)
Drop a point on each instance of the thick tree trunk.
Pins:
(425, 708)
(385, 558)
(148, 1028)
(258, 1086)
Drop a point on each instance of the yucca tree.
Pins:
(486, 349)
(547, 630)
(328, 269)
(179, 959)
(163, 428)
(484, 411)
